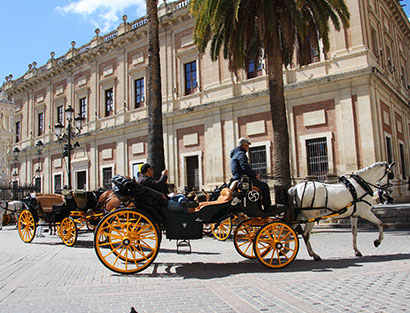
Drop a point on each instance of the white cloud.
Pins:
(104, 14)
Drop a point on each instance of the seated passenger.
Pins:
(240, 166)
(146, 179)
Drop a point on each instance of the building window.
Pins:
(18, 131)
(82, 180)
(190, 78)
(139, 92)
(389, 150)
(107, 176)
(375, 43)
(60, 113)
(254, 71)
(258, 161)
(402, 163)
(57, 183)
(389, 59)
(192, 172)
(109, 102)
(37, 184)
(317, 159)
(83, 107)
(403, 78)
(40, 129)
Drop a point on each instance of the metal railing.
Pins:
(15, 192)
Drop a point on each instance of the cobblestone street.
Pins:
(46, 276)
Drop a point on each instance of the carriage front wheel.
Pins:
(68, 231)
(276, 245)
(26, 226)
(126, 241)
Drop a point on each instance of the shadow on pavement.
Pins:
(201, 270)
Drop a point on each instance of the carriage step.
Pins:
(183, 244)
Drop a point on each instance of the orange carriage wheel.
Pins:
(222, 230)
(26, 226)
(276, 245)
(243, 238)
(126, 241)
(68, 231)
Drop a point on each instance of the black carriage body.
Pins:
(180, 225)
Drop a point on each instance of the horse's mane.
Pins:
(368, 168)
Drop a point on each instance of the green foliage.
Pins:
(245, 28)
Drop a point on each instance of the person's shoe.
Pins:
(275, 209)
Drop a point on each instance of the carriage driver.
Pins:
(240, 166)
(146, 179)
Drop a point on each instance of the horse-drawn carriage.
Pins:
(127, 240)
(67, 213)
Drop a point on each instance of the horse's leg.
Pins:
(2, 211)
(306, 237)
(353, 221)
(369, 215)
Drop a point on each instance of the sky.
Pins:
(32, 29)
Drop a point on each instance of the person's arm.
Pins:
(243, 163)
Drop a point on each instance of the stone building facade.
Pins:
(347, 109)
(6, 136)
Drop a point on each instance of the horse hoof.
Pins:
(358, 254)
(317, 258)
(377, 243)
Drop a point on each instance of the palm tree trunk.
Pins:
(281, 166)
(155, 131)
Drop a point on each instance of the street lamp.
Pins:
(39, 147)
(16, 152)
(68, 134)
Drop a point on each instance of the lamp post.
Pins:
(39, 147)
(68, 134)
(16, 152)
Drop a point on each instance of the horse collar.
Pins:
(362, 183)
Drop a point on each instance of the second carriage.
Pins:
(67, 213)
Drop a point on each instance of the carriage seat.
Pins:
(47, 200)
(80, 198)
(224, 197)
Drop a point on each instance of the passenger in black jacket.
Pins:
(240, 166)
(146, 178)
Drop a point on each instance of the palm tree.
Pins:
(248, 30)
(155, 131)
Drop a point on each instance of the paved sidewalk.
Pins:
(46, 276)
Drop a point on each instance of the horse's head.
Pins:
(378, 173)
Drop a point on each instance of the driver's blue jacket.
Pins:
(240, 164)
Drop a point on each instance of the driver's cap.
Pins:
(243, 140)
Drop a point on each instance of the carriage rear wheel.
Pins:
(223, 230)
(6, 219)
(276, 245)
(68, 231)
(26, 226)
(243, 238)
(126, 241)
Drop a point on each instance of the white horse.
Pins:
(311, 199)
(14, 207)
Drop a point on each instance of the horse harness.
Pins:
(360, 181)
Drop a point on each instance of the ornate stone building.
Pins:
(347, 109)
(6, 136)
